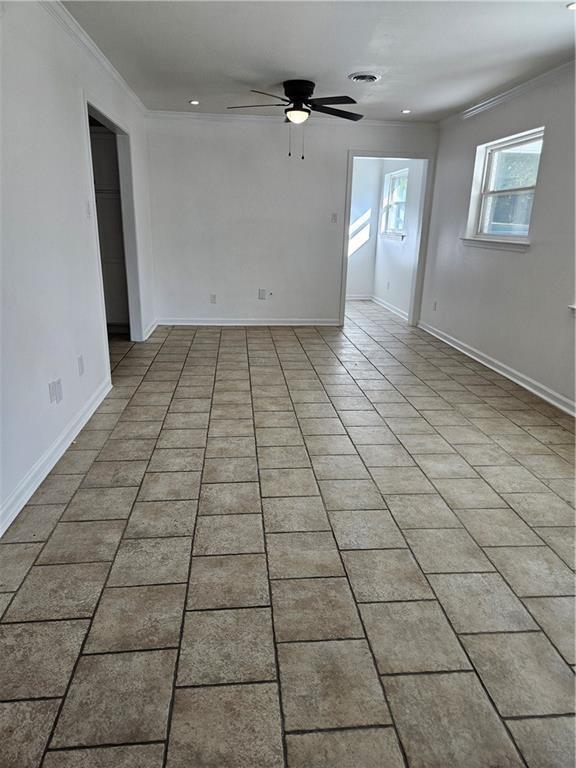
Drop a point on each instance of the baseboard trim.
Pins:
(31, 481)
(358, 297)
(147, 332)
(390, 307)
(242, 321)
(552, 397)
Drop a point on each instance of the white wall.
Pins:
(396, 260)
(511, 307)
(52, 309)
(365, 195)
(231, 213)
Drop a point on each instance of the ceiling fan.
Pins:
(299, 102)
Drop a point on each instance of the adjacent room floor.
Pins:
(313, 547)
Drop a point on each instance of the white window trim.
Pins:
(385, 209)
(484, 155)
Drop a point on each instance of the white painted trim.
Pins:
(65, 19)
(247, 321)
(496, 245)
(149, 330)
(37, 474)
(390, 307)
(513, 92)
(358, 297)
(555, 398)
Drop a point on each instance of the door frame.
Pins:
(124, 152)
(415, 307)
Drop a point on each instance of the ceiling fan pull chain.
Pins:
(290, 140)
(303, 131)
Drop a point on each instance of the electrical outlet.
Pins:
(80, 365)
(435, 306)
(262, 293)
(212, 298)
(55, 391)
(334, 218)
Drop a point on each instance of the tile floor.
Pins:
(303, 547)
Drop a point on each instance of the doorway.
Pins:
(108, 196)
(384, 243)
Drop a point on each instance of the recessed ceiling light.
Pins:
(405, 111)
(194, 102)
(364, 77)
(571, 6)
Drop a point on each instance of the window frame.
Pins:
(481, 193)
(386, 208)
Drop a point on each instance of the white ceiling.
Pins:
(434, 57)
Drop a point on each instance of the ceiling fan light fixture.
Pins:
(297, 115)
(194, 102)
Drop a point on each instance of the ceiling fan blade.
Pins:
(333, 100)
(272, 95)
(252, 106)
(336, 112)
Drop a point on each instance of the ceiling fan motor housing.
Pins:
(299, 91)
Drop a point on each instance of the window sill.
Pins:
(498, 245)
(392, 236)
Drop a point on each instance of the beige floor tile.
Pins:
(230, 499)
(556, 617)
(370, 747)
(562, 541)
(421, 511)
(380, 575)
(228, 535)
(351, 494)
(82, 542)
(523, 673)
(164, 486)
(547, 742)
(230, 646)
(137, 618)
(117, 698)
(314, 609)
(150, 519)
(480, 602)
(137, 756)
(366, 529)
(288, 482)
(176, 460)
(302, 555)
(283, 457)
(468, 494)
(294, 513)
(25, 728)
(228, 582)
(15, 562)
(151, 561)
(58, 592)
(541, 508)
(412, 637)
(532, 571)
(330, 684)
(446, 550)
(37, 659)
(226, 726)
(100, 504)
(463, 732)
(497, 527)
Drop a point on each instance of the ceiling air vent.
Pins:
(364, 77)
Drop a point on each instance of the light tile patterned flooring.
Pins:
(310, 547)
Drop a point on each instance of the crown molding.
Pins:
(69, 24)
(513, 92)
